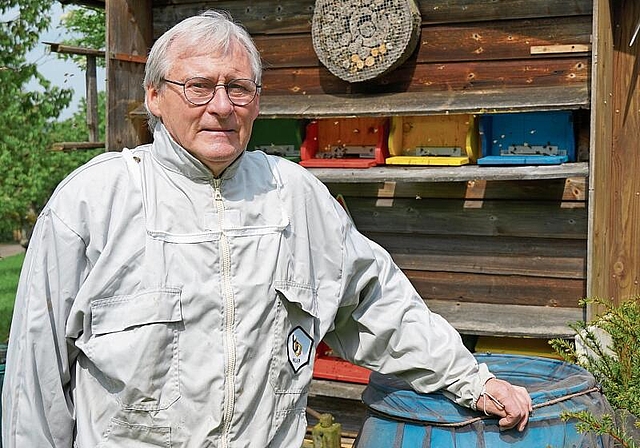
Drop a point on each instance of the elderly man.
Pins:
(173, 295)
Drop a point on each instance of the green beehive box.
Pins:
(278, 136)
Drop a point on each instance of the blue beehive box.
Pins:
(527, 138)
(278, 136)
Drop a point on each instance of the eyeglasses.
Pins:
(200, 91)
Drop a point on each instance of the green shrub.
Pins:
(609, 348)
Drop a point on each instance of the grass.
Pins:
(9, 275)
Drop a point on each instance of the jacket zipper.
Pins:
(229, 319)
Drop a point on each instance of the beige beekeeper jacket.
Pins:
(159, 306)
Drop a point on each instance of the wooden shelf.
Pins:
(489, 319)
(425, 103)
(450, 174)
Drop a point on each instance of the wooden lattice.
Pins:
(358, 40)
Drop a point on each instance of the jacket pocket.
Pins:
(125, 435)
(135, 347)
(294, 342)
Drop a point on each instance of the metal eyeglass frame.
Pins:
(215, 88)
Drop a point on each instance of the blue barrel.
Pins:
(398, 417)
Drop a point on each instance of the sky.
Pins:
(60, 72)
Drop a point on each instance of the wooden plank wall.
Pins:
(507, 245)
(614, 255)
(495, 257)
(464, 47)
(129, 36)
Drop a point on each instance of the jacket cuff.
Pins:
(469, 395)
(478, 384)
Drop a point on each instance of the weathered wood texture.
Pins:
(477, 101)
(495, 251)
(484, 244)
(509, 39)
(129, 32)
(464, 47)
(614, 259)
(294, 16)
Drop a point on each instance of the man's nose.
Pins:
(220, 103)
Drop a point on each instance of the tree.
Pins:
(88, 27)
(29, 171)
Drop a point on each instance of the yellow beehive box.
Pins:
(516, 346)
(433, 140)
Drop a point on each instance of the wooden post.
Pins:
(92, 98)
(614, 236)
(129, 37)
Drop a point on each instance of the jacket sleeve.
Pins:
(37, 404)
(383, 324)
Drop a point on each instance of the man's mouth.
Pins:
(219, 130)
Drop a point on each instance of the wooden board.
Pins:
(456, 217)
(508, 39)
(294, 16)
(616, 126)
(453, 76)
(450, 174)
(498, 289)
(536, 257)
(124, 80)
(426, 103)
(565, 190)
(508, 320)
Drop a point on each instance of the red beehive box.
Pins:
(345, 143)
(330, 367)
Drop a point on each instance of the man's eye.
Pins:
(201, 86)
(238, 88)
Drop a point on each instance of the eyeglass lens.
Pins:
(201, 90)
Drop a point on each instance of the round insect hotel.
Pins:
(363, 39)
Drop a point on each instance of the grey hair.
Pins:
(213, 30)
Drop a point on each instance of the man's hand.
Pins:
(505, 400)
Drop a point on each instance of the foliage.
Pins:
(616, 366)
(601, 426)
(88, 25)
(24, 114)
(609, 348)
(28, 169)
(9, 275)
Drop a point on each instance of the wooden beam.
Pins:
(614, 260)
(560, 49)
(479, 101)
(91, 82)
(449, 174)
(510, 39)
(558, 73)
(129, 32)
(71, 49)
(73, 146)
(91, 86)
(295, 16)
(486, 319)
(89, 3)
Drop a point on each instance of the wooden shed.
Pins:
(498, 250)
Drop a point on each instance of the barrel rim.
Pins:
(390, 396)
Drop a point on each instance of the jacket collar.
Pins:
(175, 158)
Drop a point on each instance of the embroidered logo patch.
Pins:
(299, 345)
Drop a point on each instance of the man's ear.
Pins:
(152, 99)
(257, 108)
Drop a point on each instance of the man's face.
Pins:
(217, 132)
